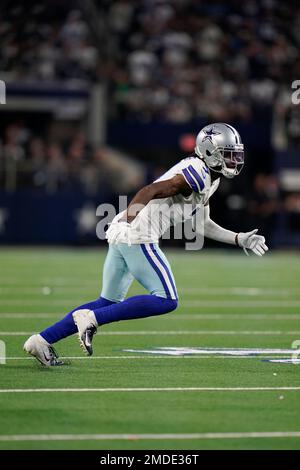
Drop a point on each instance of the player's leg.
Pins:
(40, 345)
(66, 326)
(116, 282)
(116, 278)
(150, 267)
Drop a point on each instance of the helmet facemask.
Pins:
(227, 161)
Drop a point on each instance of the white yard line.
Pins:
(242, 291)
(176, 333)
(152, 356)
(179, 352)
(177, 316)
(187, 304)
(60, 286)
(240, 303)
(148, 389)
(17, 316)
(50, 281)
(231, 316)
(47, 299)
(159, 437)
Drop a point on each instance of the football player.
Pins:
(133, 238)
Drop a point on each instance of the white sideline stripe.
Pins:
(125, 437)
(148, 389)
(174, 333)
(177, 316)
(186, 304)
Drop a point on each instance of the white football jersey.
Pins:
(160, 214)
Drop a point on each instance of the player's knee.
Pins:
(170, 304)
(174, 304)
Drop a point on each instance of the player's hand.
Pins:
(118, 232)
(253, 242)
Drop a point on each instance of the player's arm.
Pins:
(158, 190)
(215, 231)
(248, 240)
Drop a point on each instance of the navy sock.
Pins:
(139, 306)
(66, 326)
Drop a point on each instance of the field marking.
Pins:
(94, 282)
(242, 291)
(16, 316)
(176, 333)
(144, 356)
(233, 316)
(51, 281)
(283, 361)
(148, 389)
(50, 288)
(159, 437)
(187, 351)
(157, 355)
(63, 284)
(241, 303)
(183, 303)
(177, 316)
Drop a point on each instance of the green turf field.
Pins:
(130, 395)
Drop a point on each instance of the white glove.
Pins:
(253, 242)
(119, 232)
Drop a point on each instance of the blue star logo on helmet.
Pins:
(209, 133)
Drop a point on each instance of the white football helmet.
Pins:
(221, 148)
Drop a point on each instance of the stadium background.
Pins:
(103, 96)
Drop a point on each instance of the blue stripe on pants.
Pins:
(154, 251)
(157, 270)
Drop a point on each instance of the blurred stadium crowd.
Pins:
(31, 161)
(168, 61)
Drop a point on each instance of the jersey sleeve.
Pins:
(195, 173)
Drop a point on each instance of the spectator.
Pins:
(56, 169)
